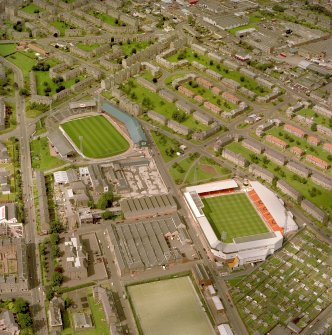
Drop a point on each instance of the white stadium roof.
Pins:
(215, 186)
(276, 208)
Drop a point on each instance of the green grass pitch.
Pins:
(100, 138)
(233, 214)
(169, 306)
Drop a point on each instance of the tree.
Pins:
(133, 51)
(68, 302)
(278, 8)
(57, 279)
(24, 320)
(313, 127)
(24, 92)
(105, 200)
(107, 215)
(21, 306)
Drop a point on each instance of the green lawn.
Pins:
(206, 170)
(128, 48)
(138, 93)
(302, 143)
(87, 47)
(41, 158)
(233, 215)
(107, 18)
(243, 80)
(7, 49)
(305, 186)
(98, 318)
(208, 95)
(32, 8)
(167, 146)
(319, 119)
(44, 77)
(62, 26)
(24, 60)
(100, 138)
(179, 170)
(169, 307)
(40, 126)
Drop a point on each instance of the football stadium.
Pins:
(239, 225)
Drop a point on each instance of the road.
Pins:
(30, 233)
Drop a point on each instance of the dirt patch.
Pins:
(208, 169)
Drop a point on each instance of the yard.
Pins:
(41, 158)
(87, 47)
(321, 197)
(152, 101)
(233, 216)
(62, 26)
(96, 136)
(107, 18)
(32, 8)
(243, 80)
(133, 47)
(169, 306)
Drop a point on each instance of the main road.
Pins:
(30, 232)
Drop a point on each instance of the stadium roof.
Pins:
(134, 128)
(215, 186)
(61, 144)
(276, 208)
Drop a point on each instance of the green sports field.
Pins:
(233, 214)
(100, 138)
(169, 306)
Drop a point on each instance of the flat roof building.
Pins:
(148, 206)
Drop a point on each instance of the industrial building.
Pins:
(148, 206)
(146, 244)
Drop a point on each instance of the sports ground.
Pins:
(233, 214)
(169, 306)
(100, 139)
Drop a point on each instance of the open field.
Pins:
(294, 285)
(107, 18)
(167, 146)
(321, 199)
(7, 49)
(100, 138)
(24, 60)
(169, 307)
(41, 158)
(152, 101)
(234, 215)
(87, 47)
(243, 80)
(32, 8)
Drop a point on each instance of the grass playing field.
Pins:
(233, 214)
(169, 307)
(100, 138)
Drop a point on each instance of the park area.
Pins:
(233, 216)
(170, 306)
(95, 136)
(293, 285)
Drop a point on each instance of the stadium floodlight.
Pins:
(81, 144)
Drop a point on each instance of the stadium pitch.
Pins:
(233, 215)
(95, 136)
(169, 306)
